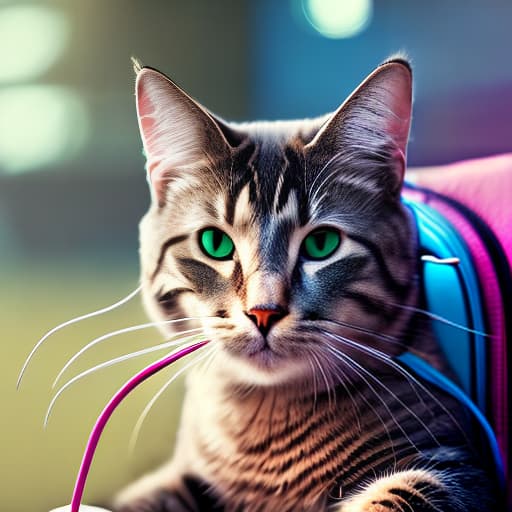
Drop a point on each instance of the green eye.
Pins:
(216, 244)
(321, 243)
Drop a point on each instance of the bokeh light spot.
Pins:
(39, 125)
(338, 19)
(32, 38)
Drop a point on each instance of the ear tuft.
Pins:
(137, 64)
(399, 58)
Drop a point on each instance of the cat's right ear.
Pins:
(368, 133)
(179, 135)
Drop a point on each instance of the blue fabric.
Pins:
(430, 374)
(453, 293)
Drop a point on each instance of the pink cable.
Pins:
(94, 438)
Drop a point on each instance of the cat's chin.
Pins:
(265, 359)
(265, 367)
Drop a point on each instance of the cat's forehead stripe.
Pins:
(240, 174)
(270, 172)
(274, 245)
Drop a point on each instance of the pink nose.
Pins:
(265, 316)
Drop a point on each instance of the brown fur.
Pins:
(313, 414)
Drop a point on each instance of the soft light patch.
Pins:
(338, 19)
(32, 38)
(40, 125)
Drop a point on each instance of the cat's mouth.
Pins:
(258, 351)
(263, 356)
(260, 360)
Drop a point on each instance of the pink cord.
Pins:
(94, 438)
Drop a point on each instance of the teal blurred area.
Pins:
(73, 188)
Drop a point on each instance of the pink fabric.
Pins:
(494, 314)
(485, 186)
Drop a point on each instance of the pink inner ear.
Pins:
(398, 127)
(148, 126)
(399, 90)
(146, 120)
(399, 158)
(143, 104)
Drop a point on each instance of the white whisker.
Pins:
(327, 386)
(347, 361)
(384, 337)
(315, 391)
(441, 319)
(109, 363)
(410, 379)
(342, 377)
(143, 415)
(332, 159)
(359, 370)
(207, 364)
(109, 335)
(381, 356)
(70, 322)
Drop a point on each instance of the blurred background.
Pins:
(72, 183)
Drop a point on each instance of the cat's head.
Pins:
(286, 239)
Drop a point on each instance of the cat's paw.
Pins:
(404, 491)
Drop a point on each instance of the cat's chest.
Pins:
(279, 454)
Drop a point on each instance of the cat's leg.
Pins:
(418, 490)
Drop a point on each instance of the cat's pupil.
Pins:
(320, 239)
(218, 237)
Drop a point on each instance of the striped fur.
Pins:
(313, 415)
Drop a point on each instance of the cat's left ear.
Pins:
(180, 136)
(368, 134)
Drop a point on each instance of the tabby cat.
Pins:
(288, 241)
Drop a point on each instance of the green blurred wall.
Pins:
(68, 244)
